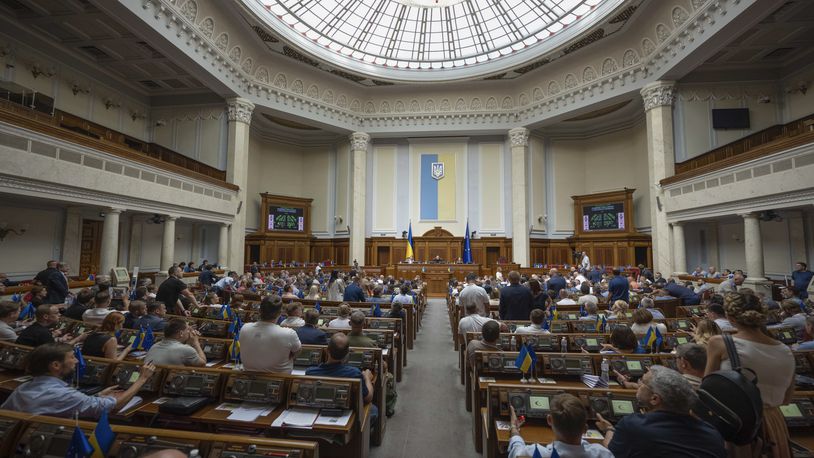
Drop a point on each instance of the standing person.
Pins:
(515, 300)
(336, 286)
(771, 361)
(57, 285)
(473, 293)
(585, 263)
(172, 289)
(801, 278)
(354, 292)
(42, 276)
(555, 282)
(618, 287)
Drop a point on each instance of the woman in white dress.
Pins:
(336, 287)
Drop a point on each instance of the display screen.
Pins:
(207, 348)
(791, 411)
(355, 358)
(324, 393)
(605, 217)
(591, 342)
(621, 407)
(257, 387)
(634, 365)
(681, 340)
(286, 218)
(787, 335)
(58, 446)
(133, 377)
(194, 382)
(538, 402)
(132, 338)
(572, 316)
(572, 364)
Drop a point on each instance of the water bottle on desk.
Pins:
(513, 344)
(605, 368)
(564, 344)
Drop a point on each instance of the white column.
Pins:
(519, 140)
(359, 142)
(72, 237)
(658, 105)
(168, 243)
(753, 244)
(680, 250)
(223, 243)
(110, 241)
(237, 165)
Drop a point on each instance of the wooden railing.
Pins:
(768, 141)
(74, 129)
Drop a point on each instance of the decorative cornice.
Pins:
(658, 94)
(239, 110)
(519, 136)
(359, 141)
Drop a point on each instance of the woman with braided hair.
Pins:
(772, 362)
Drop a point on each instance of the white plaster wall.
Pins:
(198, 132)
(23, 256)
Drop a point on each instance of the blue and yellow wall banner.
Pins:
(438, 194)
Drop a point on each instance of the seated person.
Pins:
(83, 302)
(691, 362)
(490, 334)
(266, 346)
(808, 342)
(39, 332)
(618, 310)
(667, 428)
(310, 334)
(9, 311)
(643, 320)
(649, 304)
(103, 343)
(135, 310)
(377, 297)
(179, 347)
(537, 317)
(293, 318)
(342, 321)
(355, 337)
(568, 419)
(338, 349)
(622, 340)
(591, 312)
(716, 313)
(564, 299)
(586, 296)
(793, 317)
(403, 297)
(154, 319)
(473, 321)
(48, 393)
(101, 307)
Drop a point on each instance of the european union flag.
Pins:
(601, 323)
(582, 311)
(149, 339)
(79, 447)
(80, 363)
(137, 341)
(547, 324)
(376, 310)
(523, 361)
(102, 437)
(467, 258)
(532, 355)
(16, 297)
(91, 277)
(659, 339)
(318, 307)
(554, 453)
(28, 312)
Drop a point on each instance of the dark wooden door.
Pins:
(91, 248)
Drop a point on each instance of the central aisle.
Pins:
(431, 418)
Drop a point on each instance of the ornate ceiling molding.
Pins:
(626, 72)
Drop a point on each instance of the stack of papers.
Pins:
(593, 434)
(214, 362)
(297, 418)
(341, 420)
(594, 381)
(134, 401)
(248, 411)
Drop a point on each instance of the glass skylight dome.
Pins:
(429, 40)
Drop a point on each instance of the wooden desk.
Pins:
(436, 276)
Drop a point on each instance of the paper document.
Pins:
(248, 412)
(161, 400)
(298, 372)
(593, 434)
(136, 400)
(503, 425)
(214, 362)
(297, 417)
(343, 420)
(486, 379)
(230, 406)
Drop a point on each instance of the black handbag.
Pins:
(731, 401)
(184, 405)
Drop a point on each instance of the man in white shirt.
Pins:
(536, 326)
(472, 322)
(227, 282)
(179, 347)
(564, 299)
(716, 313)
(101, 302)
(264, 345)
(586, 262)
(473, 293)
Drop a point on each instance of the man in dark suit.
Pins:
(618, 288)
(56, 283)
(206, 277)
(555, 283)
(42, 276)
(310, 334)
(353, 292)
(516, 301)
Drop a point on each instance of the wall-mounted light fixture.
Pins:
(77, 89)
(111, 104)
(38, 70)
(16, 229)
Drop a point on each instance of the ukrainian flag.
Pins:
(523, 361)
(438, 194)
(234, 348)
(601, 323)
(410, 251)
(650, 338)
(102, 437)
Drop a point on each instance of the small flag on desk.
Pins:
(649, 339)
(547, 324)
(149, 339)
(234, 348)
(658, 339)
(554, 453)
(582, 311)
(28, 312)
(235, 325)
(318, 307)
(601, 323)
(226, 312)
(554, 313)
(16, 297)
(102, 438)
(376, 310)
(523, 361)
(532, 355)
(80, 363)
(79, 447)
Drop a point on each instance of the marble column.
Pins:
(658, 105)
(753, 246)
(519, 141)
(237, 165)
(223, 243)
(168, 243)
(359, 142)
(72, 237)
(110, 241)
(136, 235)
(679, 250)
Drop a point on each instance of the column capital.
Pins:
(113, 210)
(172, 217)
(658, 94)
(239, 109)
(677, 224)
(519, 136)
(359, 141)
(225, 225)
(749, 215)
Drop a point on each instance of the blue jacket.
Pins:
(618, 288)
(554, 284)
(353, 293)
(311, 336)
(516, 302)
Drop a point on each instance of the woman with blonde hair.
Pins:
(770, 360)
(618, 310)
(643, 320)
(704, 330)
(103, 342)
(343, 320)
(313, 293)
